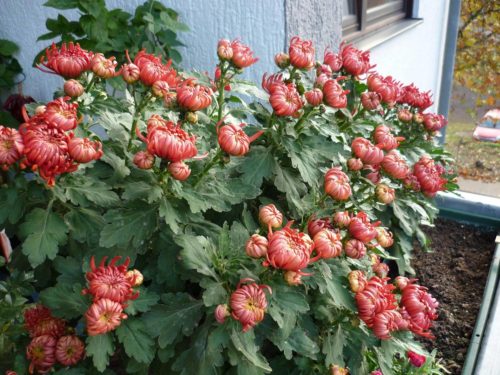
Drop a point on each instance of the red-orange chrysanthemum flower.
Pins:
(103, 316)
(69, 350)
(110, 281)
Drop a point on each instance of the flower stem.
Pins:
(220, 97)
(208, 166)
(299, 126)
(137, 114)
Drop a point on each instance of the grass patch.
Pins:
(475, 159)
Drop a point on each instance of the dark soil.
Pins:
(455, 274)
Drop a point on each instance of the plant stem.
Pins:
(299, 126)
(137, 114)
(208, 166)
(220, 97)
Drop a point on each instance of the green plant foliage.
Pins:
(173, 297)
(9, 66)
(153, 26)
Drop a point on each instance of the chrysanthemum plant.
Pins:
(203, 226)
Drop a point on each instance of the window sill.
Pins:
(379, 36)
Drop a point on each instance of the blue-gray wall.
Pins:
(259, 23)
(413, 56)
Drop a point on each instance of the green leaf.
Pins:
(257, 165)
(288, 182)
(11, 205)
(100, 348)
(7, 47)
(70, 270)
(245, 344)
(83, 224)
(98, 192)
(219, 194)
(205, 352)
(118, 164)
(142, 190)
(300, 343)
(170, 214)
(143, 303)
(331, 282)
(44, 231)
(333, 347)
(137, 342)
(61, 4)
(65, 300)
(197, 254)
(129, 226)
(304, 159)
(214, 293)
(178, 316)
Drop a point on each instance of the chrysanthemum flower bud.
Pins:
(270, 216)
(144, 160)
(328, 243)
(192, 117)
(256, 246)
(224, 50)
(370, 100)
(282, 60)
(381, 269)
(314, 97)
(160, 88)
(315, 225)
(384, 237)
(342, 219)
(83, 150)
(130, 73)
(73, 88)
(354, 164)
(103, 67)
(179, 170)
(361, 228)
(355, 249)
(337, 184)
(293, 278)
(401, 282)
(221, 313)
(135, 277)
(357, 280)
(415, 359)
(376, 372)
(404, 115)
(418, 118)
(301, 53)
(337, 370)
(385, 194)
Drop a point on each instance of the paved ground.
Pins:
(479, 187)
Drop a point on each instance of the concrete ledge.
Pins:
(476, 208)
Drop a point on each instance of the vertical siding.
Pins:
(259, 23)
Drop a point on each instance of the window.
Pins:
(361, 17)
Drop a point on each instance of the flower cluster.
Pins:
(247, 304)
(49, 342)
(379, 308)
(111, 287)
(46, 143)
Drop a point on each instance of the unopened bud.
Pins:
(282, 60)
(192, 117)
(73, 88)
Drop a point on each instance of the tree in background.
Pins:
(477, 63)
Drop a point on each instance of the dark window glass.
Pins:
(360, 17)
